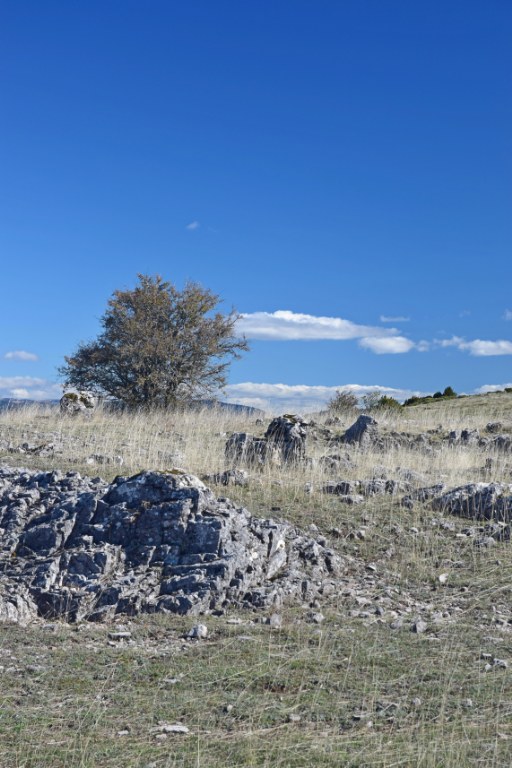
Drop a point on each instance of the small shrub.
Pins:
(342, 402)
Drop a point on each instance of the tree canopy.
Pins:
(159, 346)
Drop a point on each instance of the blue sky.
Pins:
(338, 171)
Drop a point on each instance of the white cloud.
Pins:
(398, 319)
(29, 387)
(507, 315)
(19, 393)
(387, 345)
(478, 347)
(483, 390)
(192, 226)
(20, 354)
(300, 397)
(284, 325)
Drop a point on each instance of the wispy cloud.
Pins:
(387, 345)
(300, 397)
(284, 325)
(507, 315)
(397, 319)
(478, 347)
(193, 225)
(29, 387)
(20, 354)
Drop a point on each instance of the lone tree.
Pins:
(159, 347)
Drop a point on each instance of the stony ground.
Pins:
(407, 663)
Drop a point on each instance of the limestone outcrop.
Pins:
(77, 548)
(284, 443)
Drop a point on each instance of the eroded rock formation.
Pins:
(78, 548)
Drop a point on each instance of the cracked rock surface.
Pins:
(76, 548)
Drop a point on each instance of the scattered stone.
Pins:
(166, 728)
(198, 632)
(238, 477)
(419, 627)
(293, 718)
(99, 458)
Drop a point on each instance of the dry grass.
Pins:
(367, 695)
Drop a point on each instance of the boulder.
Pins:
(76, 548)
(363, 432)
(288, 433)
(72, 403)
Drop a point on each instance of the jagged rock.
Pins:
(494, 427)
(340, 487)
(470, 436)
(423, 494)
(363, 432)
(481, 501)
(501, 443)
(244, 448)
(72, 403)
(284, 442)
(288, 433)
(374, 486)
(77, 548)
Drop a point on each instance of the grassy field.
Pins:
(361, 688)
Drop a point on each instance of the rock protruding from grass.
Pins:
(363, 432)
(478, 501)
(78, 548)
(284, 443)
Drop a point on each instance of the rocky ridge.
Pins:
(78, 548)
